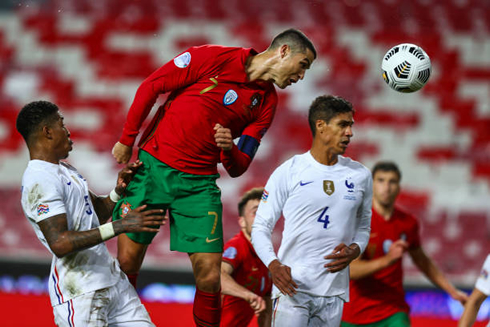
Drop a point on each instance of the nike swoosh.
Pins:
(210, 241)
(305, 183)
(69, 183)
(255, 268)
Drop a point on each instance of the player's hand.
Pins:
(223, 137)
(126, 175)
(281, 277)
(460, 296)
(396, 251)
(256, 302)
(342, 256)
(122, 153)
(141, 220)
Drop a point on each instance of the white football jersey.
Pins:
(322, 206)
(49, 190)
(483, 281)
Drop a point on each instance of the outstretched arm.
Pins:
(363, 268)
(103, 205)
(471, 308)
(265, 317)
(427, 266)
(230, 287)
(62, 241)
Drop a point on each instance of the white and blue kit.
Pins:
(322, 206)
(49, 190)
(483, 281)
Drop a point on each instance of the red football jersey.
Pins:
(381, 295)
(248, 271)
(208, 85)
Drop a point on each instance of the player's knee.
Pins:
(209, 281)
(129, 264)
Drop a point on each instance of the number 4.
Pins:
(324, 219)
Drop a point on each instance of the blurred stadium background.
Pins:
(89, 56)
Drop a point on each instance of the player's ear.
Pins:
(284, 50)
(241, 222)
(47, 132)
(320, 125)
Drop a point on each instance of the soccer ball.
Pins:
(406, 68)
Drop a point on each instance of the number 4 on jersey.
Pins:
(324, 218)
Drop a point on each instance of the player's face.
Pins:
(386, 186)
(61, 138)
(247, 220)
(292, 68)
(337, 133)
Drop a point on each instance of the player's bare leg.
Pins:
(207, 302)
(130, 256)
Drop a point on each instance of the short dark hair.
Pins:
(387, 166)
(253, 194)
(325, 107)
(34, 116)
(297, 41)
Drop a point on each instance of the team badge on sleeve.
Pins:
(230, 253)
(328, 187)
(484, 274)
(265, 195)
(183, 60)
(42, 209)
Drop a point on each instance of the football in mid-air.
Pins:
(406, 68)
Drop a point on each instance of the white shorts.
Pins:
(118, 305)
(306, 310)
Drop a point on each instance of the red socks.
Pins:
(132, 279)
(207, 309)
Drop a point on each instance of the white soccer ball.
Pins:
(406, 68)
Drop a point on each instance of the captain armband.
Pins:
(248, 145)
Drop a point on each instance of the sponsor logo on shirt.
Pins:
(42, 209)
(183, 60)
(328, 187)
(301, 183)
(265, 195)
(230, 253)
(230, 97)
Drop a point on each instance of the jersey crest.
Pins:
(328, 187)
(230, 97)
(125, 209)
(255, 100)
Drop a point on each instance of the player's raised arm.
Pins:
(234, 160)
(103, 205)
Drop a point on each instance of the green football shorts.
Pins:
(193, 203)
(399, 319)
